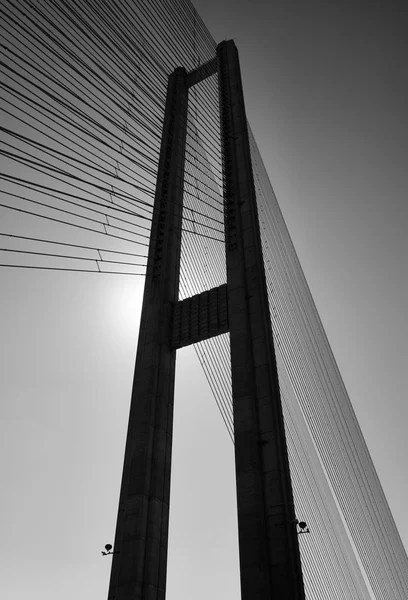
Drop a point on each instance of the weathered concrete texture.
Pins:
(269, 554)
(140, 558)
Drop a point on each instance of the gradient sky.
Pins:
(326, 95)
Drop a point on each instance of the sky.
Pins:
(325, 88)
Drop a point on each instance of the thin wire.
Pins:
(97, 249)
(75, 225)
(100, 260)
(72, 270)
(143, 235)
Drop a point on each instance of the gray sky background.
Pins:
(326, 92)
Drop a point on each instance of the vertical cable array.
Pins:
(203, 263)
(317, 385)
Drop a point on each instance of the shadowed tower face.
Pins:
(268, 546)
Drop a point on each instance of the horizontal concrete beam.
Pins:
(200, 317)
(202, 72)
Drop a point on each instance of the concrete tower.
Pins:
(268, 545)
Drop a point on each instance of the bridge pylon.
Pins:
(270, 567)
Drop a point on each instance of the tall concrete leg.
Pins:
(140, 548)
(268, 545)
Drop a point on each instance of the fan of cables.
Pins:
(82, 97)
